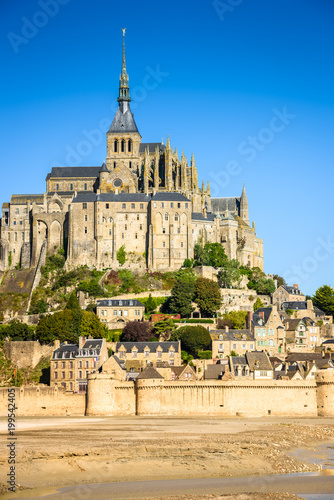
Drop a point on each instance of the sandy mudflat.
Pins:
(83, 450)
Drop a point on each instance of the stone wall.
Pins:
(43, 401)
(227, 399)
(26, 353)
(325, 392)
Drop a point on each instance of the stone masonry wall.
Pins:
(43, 401)
(26, 353)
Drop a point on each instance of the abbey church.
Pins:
(144, 198)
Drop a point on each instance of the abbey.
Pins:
(144, 197)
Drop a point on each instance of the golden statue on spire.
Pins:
(123, 29)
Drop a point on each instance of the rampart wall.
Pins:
(227, 399)
(106, 396)
(43, 401)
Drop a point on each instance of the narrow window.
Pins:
(115, 146)
(109, 232)
(123, 205)
(136, 236)
(57, 187)
(162, 204)
(84, 206)
(164, 244)
(86, 218)
(137, 216)
(130, 164)
(166, 216)
(130, 147)
(85, 187)
(141, 206)
(85, 230)
(107, 205)
(126, 216)
(172, 205)
(141, 227)
(114, 164)
(123, 145)
(179, 205)
(133, 205)
(126, 227)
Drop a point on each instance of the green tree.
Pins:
(230, 274)
(151, 305)
(234, 319)
(194, 339)
(257, 304)
(63, 325)
(182, 294)
(186, 358)
(91, 326)
(207, 296)
(40, 307)
(280, 280)
(73, 303)
(121, 255)
(164, 327)
(324, 299)
(16, 330)
(211, 254)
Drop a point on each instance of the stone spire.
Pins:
(156, 168)
(244, 213)
(123, 121)
(194, 177)
(124, 91)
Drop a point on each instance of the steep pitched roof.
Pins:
(238, 335)
(160, 195)
(302, 304)
(199, 216)
(119, 302)
(123, 121)
(231, 204)
(149, 373)
(214, 372)
(292, 290)
(74, 172)
(151, 146)
(258, 360)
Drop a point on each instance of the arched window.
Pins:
(129, 145)
(123, 145)
(115, 145)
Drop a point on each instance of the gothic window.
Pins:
(123, 145)
(15, 236)
(130, 147)
(115, 146)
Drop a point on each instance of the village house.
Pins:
(71, 363)
(148, 353)
(118, 312)
(268, 330)
(285, 293)
(226, 341)
(302, 309)
(301, 334)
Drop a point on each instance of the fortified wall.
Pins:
(42, 401)
(157, 397)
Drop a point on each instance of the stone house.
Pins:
(115, 368)
(148, 353)
(301, 334)
(71, 363)
(116, 312)
(252, 366)
(226, 341)
(268, 329)
(183, 372)
(285, 293)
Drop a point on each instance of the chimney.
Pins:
(226, 328)
(261, 314)
(249, 318)
(296, 286)
(82, 340)
(56, 344)
(309, 305)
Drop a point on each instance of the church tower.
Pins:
(123, 138)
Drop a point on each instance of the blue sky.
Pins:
(246, 85)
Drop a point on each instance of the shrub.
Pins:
(204, 354)
(121, 255)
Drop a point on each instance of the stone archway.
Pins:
(55, 237)
(42, 235)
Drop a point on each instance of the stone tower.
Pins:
(244, 213)
(123, 137)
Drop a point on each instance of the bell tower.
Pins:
(123, 138)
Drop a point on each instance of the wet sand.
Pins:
(58, 452)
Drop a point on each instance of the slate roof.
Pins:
(61, 193)
(64, 351)
(302, 304)
(223, 204)
(256, 316)
(148, 373)
(329, 341)
(291, 324)
(119, 362)
(119, 302)
(160, 195)
(123, 197)
(93, 344)
(151, 146)
(59, 172)
(214, 372)
(303, 356)
(123, 120)
(199, 216)
(152, 345)
(258, 360)
(232, 335)
(84, 197)
(318, 312)
(292, 290)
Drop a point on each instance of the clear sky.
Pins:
(246, 85)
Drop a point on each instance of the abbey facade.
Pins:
(144, 197)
